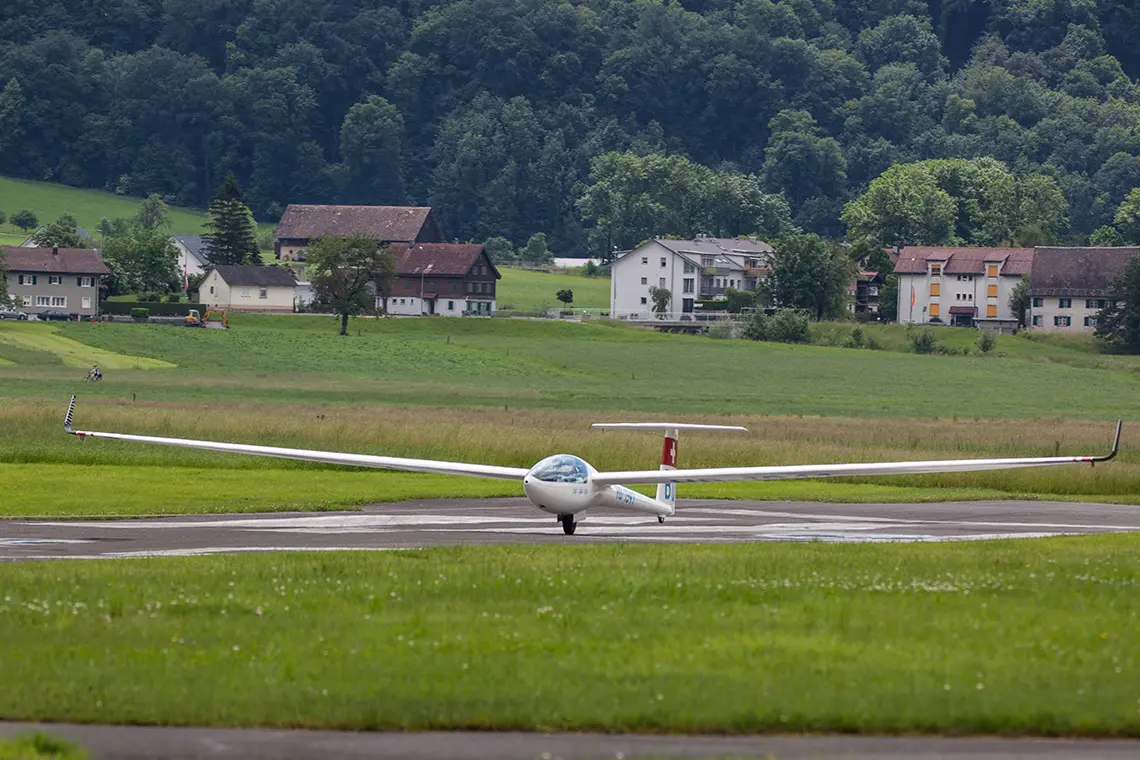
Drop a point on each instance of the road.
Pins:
(416, 524)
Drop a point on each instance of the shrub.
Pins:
(858, 339)
(873, 343)
(723, 330)
(788, 326)
(986, 341)
(173, 298)
(922, 342)
(140, 313)
(756, 328)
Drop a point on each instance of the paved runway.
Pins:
(137, 742)
(416, 524)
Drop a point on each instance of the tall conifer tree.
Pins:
(231, 236)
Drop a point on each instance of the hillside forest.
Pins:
(593, 121)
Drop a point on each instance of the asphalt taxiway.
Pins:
(434, 522)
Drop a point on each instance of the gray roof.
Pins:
(30, 241)
(281, 277)
(710, 245)
(195, 245)
(1080, 272)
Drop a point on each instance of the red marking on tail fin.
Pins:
(669, 453)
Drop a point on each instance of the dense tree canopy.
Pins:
(495, 111)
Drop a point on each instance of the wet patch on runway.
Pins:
(498, 521)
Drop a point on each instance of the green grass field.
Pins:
(510, 391)
(49, 201)
(524, 290)
(39, 746)
(1006, 637)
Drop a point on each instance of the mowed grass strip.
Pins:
(26, 337)
(1011, 637)
(39, 746)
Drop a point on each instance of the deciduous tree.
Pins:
(1119, 322)
(62, 233)
(25, 220)
(808, 273)
(1128, 216)
(660, 298)
(348, 273)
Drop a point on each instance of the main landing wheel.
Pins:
(661, 519)
(568, 524)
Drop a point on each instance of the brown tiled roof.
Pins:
(1078, 271)
(54, 260)
(963, 260)
(455, 259)
(385, 223)
(276, 277)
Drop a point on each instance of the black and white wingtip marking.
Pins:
(67, 421)
(1115, 445)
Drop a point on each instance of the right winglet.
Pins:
(67, 419)
(1115, 444)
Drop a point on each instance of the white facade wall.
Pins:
(1049, 313)
(964, 290)
(187, 262)
(652, 265)
(216, 292)
(413, 306)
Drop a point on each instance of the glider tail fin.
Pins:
(667, 492)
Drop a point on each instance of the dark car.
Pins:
(12, 314)
(54, 314)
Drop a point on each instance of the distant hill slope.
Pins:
(48, 201)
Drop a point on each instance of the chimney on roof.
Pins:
(55, 250)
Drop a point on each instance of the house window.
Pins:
(660, 282)
(1037, 302)
(663, 260)
(451, 305)
(706, 261)
(991, 310)
(991, 291)
(55, 279)
(644, 301)
(1037, 320)
(245, 292)
(687, 285)
(86, 301)
(431, 285)
(1090, 321)
(934, 312)
(85, 282)
(407, 284)
(935, 270)
(1062, 321)
(1064, 303)
(991, 270)
(1096, 303)
(211, 290)
(43, 301)
(27, 279)
(263, 293)
(644, 259)
(935, 290)
(454, 286)
(27, 300)
(689, 268)
(644, 280)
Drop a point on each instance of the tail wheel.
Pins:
(568, 524)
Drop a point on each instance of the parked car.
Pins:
(59, 316)
(12, 314)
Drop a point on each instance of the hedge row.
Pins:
(154, 309)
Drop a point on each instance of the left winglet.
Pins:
(1115, 446)
(67, 419)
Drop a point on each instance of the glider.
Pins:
(566, 486)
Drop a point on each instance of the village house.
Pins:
(192, 258)
(301, 224)
(863, 293)
(691, 270)
(62, 280)
(1068, 286)
(963, 287)
(450, 279)
(248, 288)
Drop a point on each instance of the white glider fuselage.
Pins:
(563, 485)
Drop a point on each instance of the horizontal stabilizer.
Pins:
(663, 426)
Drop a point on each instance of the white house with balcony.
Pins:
(962, 287)
(1069, 286)
(702, 268)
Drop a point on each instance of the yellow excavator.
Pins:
(195, 318)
